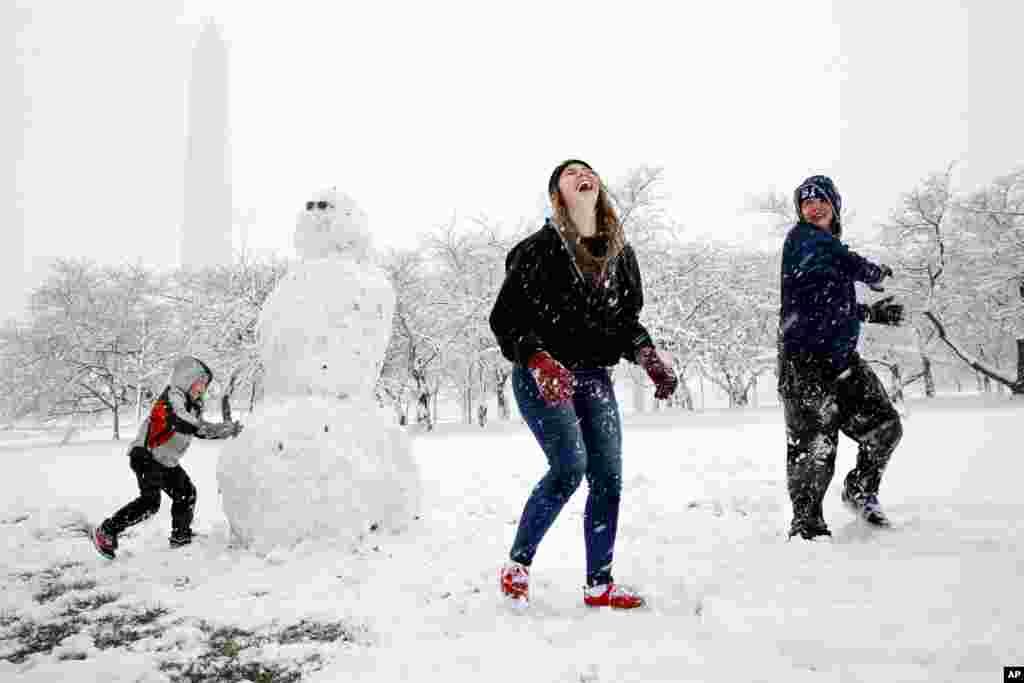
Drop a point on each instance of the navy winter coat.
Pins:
(819, 320)
(546, 304)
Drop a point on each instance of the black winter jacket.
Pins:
(546, 304)
(820, 318)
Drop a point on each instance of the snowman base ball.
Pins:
(317, 468)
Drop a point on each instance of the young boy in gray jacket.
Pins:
(155, 454)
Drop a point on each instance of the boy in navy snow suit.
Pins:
(163, 438)
(824, 385)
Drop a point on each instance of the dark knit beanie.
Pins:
(557, 174)
(820, 187)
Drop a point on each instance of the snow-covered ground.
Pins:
(938, 598)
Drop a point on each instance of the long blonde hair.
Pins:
(608, 227)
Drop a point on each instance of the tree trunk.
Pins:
(467, 396)
(896, 377)
(117, 420)
(501, 379)
(423, 415)
(738, 397)
(1019, 389)
(684, 396)
(639, 396)
(398, 405)
(929, 378)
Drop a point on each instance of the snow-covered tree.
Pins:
(95, 331)
(924, 235)
(218, 310)
(960, 260)
(469, 263)
(679, 287)
(735, 332)
(410, 372)
(995, 218)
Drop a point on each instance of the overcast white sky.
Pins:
(423, 110)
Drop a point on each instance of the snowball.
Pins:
(309, 468)
(325, 328)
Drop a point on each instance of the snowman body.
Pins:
(319, 460)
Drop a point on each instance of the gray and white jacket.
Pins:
(175, 417)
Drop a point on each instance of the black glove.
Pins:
(219, 430)
(877, 286)
(884, 312)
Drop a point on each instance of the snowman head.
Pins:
(332, 224)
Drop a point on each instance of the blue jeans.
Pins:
(581, 438)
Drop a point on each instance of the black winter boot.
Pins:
(864, 505)
(809, 529)
(180, 537)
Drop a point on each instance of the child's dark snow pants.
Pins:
(154, 478)
(816, 410)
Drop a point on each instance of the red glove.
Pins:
(663, 376)
(553, 379)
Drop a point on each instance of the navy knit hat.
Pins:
(820, 187)
(557, 174)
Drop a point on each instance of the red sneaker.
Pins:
(106, 544)
(514, 579)
(612, 595)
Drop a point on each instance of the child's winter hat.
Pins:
(820, 187)
(557, 173)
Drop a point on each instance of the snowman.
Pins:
(319, 460)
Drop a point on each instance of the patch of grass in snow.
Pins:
(78, 656)
(57, 589)
(17, 519)
(232, 653)
(29, 638)
(20, 639)
(89, 604)
(125, 628)
(222, 661)
(50, 573)
(306, 631)
(206, 670)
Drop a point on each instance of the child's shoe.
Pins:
(612, 595)
(104, 542)
(514, 580)
(181, 537)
